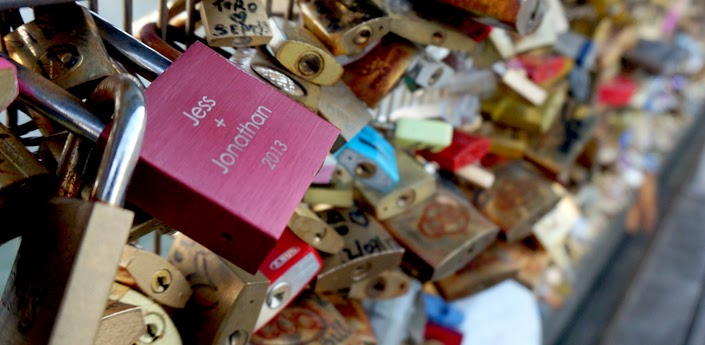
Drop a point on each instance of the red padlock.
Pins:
(465, 149)
(442, 335)
(290, 266)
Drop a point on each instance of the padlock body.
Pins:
(235, 23)
(433, 135)
(370, 159)
(464, 149)
(8, 83)
(226, 159)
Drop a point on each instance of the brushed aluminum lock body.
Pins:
(464, 149)
(262, 141)
(521, 16)
(369, 250)
(159, 327)
(370, 159)
(226, 300)
(290, 266)
(415, 185)
(302, 53)
(441, 234)
(310, 320)
(346, 27)
(63, 45)
(235, 23)
(8, 83)
(375, 75)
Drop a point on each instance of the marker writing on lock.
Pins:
(246, 132)
(200, 112)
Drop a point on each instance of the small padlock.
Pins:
(339, 193)
(375, 75)
(68, 256)
(409, 23)
(290, 266)
(122, 324)
(160, 329)
(427, 73)
(388, 284)
(464, 150)
(436, 334)
(522, 16)
(154, 276)
(310, 320)
(546, 70)
(513, 112)
(235, 23)
(356, 317)
(8, 83)
(346, 27)
(490, 268)
(441, 234)
(226, 300)
(302, 53)
(415, 185)
(521, 198)
(422, 134)
(506, 142)
(369, 250)
(314, 231)
(520, 84)
(63, 45)
(341, 107)
(370, 159)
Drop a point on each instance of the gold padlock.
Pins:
(314, 231)
(341, 107)
(356, 317)
(160, 329)
(153, 276)
(226, 300)
(310, 320)
(415, 185)
(537, 119)
(302, 53)
(338, 194)
(21, 175)
(388, 284)
(8, 83)
(368, 250)
(441, 234)
(235, 23)
(259, 63)
(346, 27)
(506, 142)
(122, 324)
(375, 74)
(63, 45)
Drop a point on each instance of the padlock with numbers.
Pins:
(122, 324)
(62, 44)
(415, 185)
(314, 231)
(341, 107)
(422, 134)
(375, 75)
(69, 254)
(302, 53)
(368, 250)
(426, 72)
(356, 317)
(235, 23)
(8, 83)
(370, 159)
(522, 16)
(339, 193)
(441, 234)
(514, 112)
(346, 27)
(464, 149)
(290, 266)
(309, 320)
(160, 329)
(516, 203)
(226, 300)
(388, 284)
(154, 276)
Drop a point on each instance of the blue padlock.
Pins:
(370, 159)
(441, 312)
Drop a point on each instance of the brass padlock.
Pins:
(154, 276)
(341, 107)
(388, 284)
(356, 317)
(521, 198)
(160, 329)
(408, 24)
(226, 300)
(259, 63)
(415, 185)
(235, 23)
(515, 113)
(522, 16)
(302, 53)
(490, 268)
(310, 320)
(63, 45)
(314, 231)
(346, 27)
(338, 194)
(441, 234)
(122, 324)
(374, 75)
(8, 83)
(368, 251)
(506, 142)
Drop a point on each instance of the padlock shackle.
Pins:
(125, 140)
